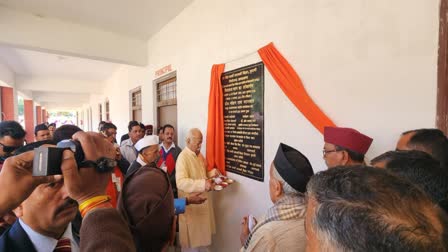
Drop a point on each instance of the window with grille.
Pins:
(137, 99)
(166, 92)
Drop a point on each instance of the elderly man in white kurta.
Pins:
(197, 224)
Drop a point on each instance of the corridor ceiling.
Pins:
(46, 43)
(135, 18)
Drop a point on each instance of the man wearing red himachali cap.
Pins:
(344, 146)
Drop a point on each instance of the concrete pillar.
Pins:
(44, 115)
(29, 120)
(7, 103)
(38, 114)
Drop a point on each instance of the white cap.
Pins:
(146, 141)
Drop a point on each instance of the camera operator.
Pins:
(103, 228)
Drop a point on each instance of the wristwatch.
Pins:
(101, 165)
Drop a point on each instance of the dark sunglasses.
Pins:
(9, 149)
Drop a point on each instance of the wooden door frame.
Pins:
(442, 70)
(154, 88)
(131, 112)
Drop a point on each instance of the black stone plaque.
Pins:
(243, 91)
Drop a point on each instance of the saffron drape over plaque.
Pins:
(291, 84)
(287, 79)
(215, 126)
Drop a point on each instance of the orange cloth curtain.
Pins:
(289, 82)
(292, 86)
(215, 126)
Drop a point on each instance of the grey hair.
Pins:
(287, 189)
(191, 134)
(362, 208)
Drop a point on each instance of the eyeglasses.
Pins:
(325, 152)
(9, 149)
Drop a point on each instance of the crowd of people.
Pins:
(156, 196)
(398, 203)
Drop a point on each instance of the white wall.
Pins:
(7, 76)
(370, 65)
(117, 89)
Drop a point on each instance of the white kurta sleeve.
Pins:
(183, 180)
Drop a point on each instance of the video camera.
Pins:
(47, 159)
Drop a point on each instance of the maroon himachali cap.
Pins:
(347, 138)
